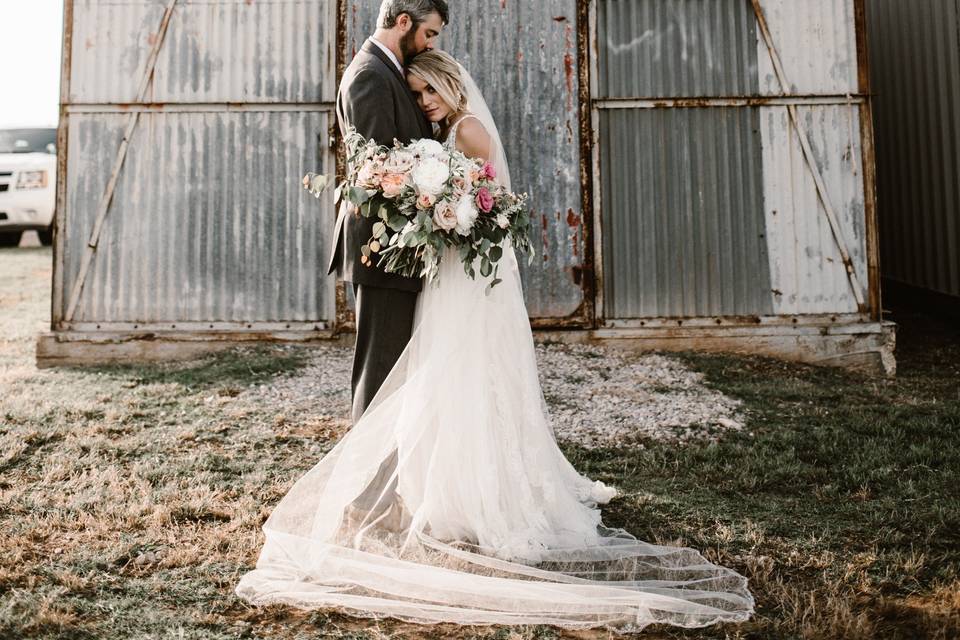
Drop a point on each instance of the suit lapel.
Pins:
(378, 53)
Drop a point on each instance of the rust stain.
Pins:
(152, 39)
(560, 18)
(88, 44)
(575, 240)
(544, 237)
(503, 4)
(569, 66)
(573, 219)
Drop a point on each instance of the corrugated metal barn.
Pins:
(915, 67)
(701, 171)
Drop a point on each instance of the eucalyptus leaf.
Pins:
(379, 229)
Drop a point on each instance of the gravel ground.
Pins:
(597, 396)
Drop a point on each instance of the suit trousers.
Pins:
(384, 326)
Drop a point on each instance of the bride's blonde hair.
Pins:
(441, 71)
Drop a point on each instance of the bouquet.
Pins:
(426, 197)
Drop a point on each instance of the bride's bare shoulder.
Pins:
(473, 139)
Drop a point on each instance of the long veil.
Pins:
(478, 107)
(449, 500)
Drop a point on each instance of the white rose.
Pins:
(466, 215)
(503, 221)
(430, 176)
(427, 148)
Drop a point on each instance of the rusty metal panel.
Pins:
(215, 51)
(209, 222)
(915, 73)
(708, 205)
(817, 42)
(676, 48)
(808, 275)
(523, 56)
(684, 231)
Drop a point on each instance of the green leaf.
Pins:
(496, 252)
(485, 268)
(357, 196)
(397, 222)
(379, 229)
(492, 285)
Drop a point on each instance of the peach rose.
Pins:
(393, 184)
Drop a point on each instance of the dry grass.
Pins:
(131, 498)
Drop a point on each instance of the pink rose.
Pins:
(393, 184)
(484, 200)
(488, 171)
(426, 200)
(445, 215)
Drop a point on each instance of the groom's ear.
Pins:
(404, 23)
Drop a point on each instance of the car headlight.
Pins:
(32, 180)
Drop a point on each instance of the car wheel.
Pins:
(10, 238)
(46, 236)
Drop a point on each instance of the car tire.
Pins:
(46, 236)
(10, 238)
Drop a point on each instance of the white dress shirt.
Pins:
(389, 53)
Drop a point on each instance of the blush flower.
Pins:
(426, 200)
(484, 200)
(370, 175)
(445, 215)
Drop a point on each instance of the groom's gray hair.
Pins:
(418, 10)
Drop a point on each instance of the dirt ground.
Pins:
(131, 497)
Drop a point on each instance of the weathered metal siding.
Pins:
(215, 51)
(915, 68)
(523, 56)
(209, 222)
(707, 204)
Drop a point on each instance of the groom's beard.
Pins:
(408, 46)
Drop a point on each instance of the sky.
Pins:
(30, 44)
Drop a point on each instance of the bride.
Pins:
(449, 500)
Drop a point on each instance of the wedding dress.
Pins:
(450, 501)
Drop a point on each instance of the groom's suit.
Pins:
(374, 99)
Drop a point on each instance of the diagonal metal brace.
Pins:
(809, 157)
(104, 207)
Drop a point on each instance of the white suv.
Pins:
(28, 184)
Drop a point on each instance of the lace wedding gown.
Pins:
(450, 501)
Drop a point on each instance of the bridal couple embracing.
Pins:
(449, 500)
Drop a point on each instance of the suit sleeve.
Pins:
(368, 106)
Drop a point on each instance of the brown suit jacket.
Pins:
(374, 98)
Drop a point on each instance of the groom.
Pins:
(374, 98)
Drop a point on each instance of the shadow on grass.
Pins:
(242, 366)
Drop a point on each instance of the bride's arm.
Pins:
(473, 139)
